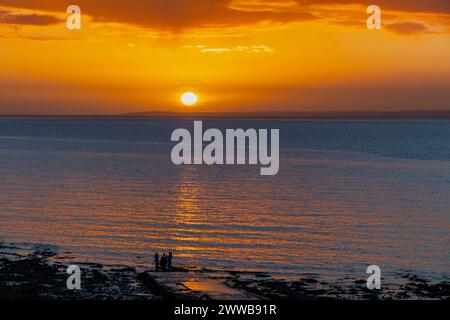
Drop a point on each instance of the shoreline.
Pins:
(40, 274)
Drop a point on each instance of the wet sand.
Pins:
(40, 274)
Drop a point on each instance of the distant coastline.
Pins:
(418, 114)
(302, 115)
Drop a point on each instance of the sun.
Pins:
(189, 98)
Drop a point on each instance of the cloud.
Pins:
(8, 17)
(166, 14)
(236, 49)
(432, 6)
(177, 15)
(407, 28)
(216, 50)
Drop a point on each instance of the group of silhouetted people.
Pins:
(164, 263)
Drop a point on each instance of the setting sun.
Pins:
(189, 98)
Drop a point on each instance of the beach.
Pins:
(40, 274)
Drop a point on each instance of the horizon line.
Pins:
(412, 114)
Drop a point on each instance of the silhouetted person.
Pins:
(164, 262)
(169, 262)
(156, 261)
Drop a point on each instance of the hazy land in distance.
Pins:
(411, 114)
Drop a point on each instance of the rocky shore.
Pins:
(40, 274)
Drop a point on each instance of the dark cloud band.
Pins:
(181, 14)
(7, 17)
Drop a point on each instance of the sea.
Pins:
(349, 194)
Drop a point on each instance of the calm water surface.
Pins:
(349, 194)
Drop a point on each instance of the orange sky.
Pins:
(237, 55)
